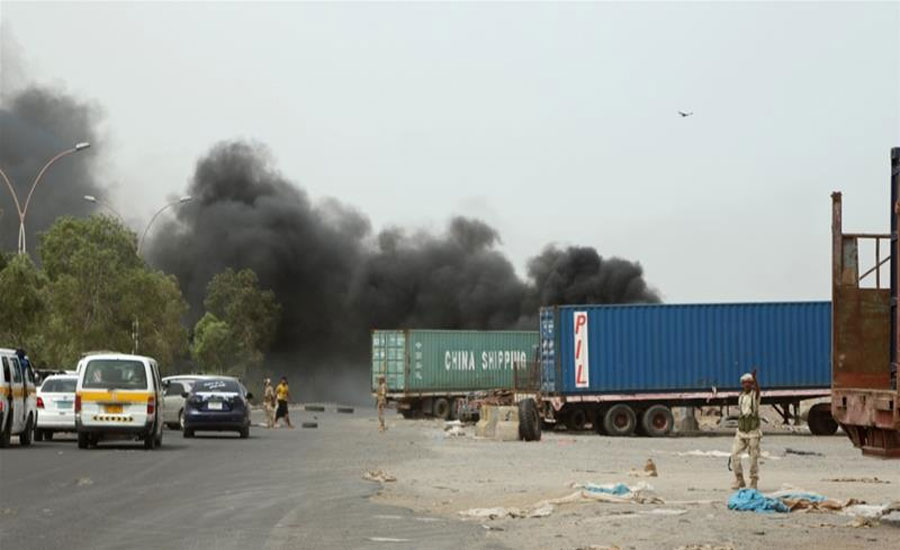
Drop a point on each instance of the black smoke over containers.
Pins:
(35, 125)
(336, 281)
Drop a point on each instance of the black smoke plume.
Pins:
(35, 125)
(336, 280)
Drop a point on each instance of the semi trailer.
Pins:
(622, 368)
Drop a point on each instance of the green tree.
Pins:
(97, 289)
(214, 349)
(249, 314)
(22, 302)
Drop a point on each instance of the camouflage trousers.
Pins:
(750, 443)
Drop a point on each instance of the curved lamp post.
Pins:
(182, 200)
(95, 200)
(23, 209)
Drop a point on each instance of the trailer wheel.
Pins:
(657, 421)
(820, 420)
(441, 408)
(408, 413)
(529, 420)
(620, 420)
(576, 420)
(456, 406)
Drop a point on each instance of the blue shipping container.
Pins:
(663, 348)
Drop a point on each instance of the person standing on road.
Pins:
(381, 402)
(748, 432)
(282, 394)
(269, 403)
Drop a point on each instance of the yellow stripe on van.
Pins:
(116, 396)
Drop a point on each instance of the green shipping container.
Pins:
(435, 361)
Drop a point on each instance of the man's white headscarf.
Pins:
(747, 377)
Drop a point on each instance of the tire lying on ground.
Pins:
(314, 408)
(309, 424)
(441, 408)
(345, 410)
(657, 421)
(529, 421)
(820, 420)
(620, 420)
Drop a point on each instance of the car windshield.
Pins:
(59, 385)
(115, 373)
(229, 386)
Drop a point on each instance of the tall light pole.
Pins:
(182, 200)
(95, 200)
(23, 209)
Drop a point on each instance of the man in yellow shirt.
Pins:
(282, 394)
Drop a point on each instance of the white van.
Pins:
(18, 400)
(118, 396)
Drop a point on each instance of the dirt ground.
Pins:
(443, 475)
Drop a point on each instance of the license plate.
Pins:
(214, 406)
(63, 404)
(114, 409)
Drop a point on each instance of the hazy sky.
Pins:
(553, 122)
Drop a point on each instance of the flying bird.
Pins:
(685, 114)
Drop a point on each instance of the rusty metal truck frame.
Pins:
(865, 323)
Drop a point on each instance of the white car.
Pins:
(119, 396)
(175, 387)
(56, 406)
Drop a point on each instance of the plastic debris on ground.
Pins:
(454, 428)
(801, 452)
(751, 500)
(857, 480)
(379, 476)
(641, 493)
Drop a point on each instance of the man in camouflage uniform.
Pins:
(381, 402)
(748, 433)
(269, 403)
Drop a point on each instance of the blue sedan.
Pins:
(217, 405)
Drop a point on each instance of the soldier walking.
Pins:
(381, 402)
(748, 433)
(269, 403)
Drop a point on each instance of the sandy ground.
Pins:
(443, 476)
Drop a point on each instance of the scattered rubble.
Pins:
(857, 480)
(379, 476)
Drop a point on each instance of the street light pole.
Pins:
(23, 210)
(182, 200)
(95, 200)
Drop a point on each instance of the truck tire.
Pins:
(620, 420)
(820, 420)
(83, 440)
(38, 435)
(529, 421)
(27, 436)
(441, 408)
(456, 407)
(657, 421)
(576, 420)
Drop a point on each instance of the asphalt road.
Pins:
(282, 488)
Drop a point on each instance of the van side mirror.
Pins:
(185, 394)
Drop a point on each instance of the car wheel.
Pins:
(26, 437)
(181, 420)
(48, 436)
(39, 435)
(245, 432)
(6, 430)
(158, 441)
(187, 433)
(150, 439)
(83, 440)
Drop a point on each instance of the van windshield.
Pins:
(115, 373)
